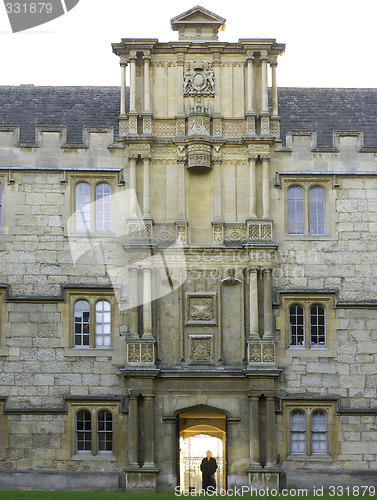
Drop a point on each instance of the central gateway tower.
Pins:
(198, 132)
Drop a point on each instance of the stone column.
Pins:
(270, 432)
(133, 293)
(264, 82)
(253, 186)
(146, 187)
(132, 431)
(133, 83)
(148, 432)
(266, 186)
(180, 69)
(216, 70)
(267, 305)
(254, 432)
(123, 87)
(147, 103)
(181, 189)
(147, 303)
(274, 89)
(217, 195)
(133, 200)
(250, 84)
(253, 309)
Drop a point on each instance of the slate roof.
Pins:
(320, 109)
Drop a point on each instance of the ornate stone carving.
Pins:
(199, 156)
(164, 233)
(255, 352)
(139, 230)
(234, 128)
(250, 125)
(265, 125)
(275, 128)
(123, 128)
(164, 128)
(147, 124)
(200, 81)
(132, 124)
(217, 127)
(181, 231)
(201, 309)
(235, 234)
(218, 234)
(198, 125)
(268, 352)
(180, 129)
(201, 348)
(260, 231)
(140, 352)
(261, 352)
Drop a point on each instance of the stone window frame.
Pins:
(93, 178)
(69, 450)
(5, 327)
(3, 183)
(306, 183)
(309, 407)
(67, 310)
(307, 300)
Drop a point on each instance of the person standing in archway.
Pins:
(208, 468)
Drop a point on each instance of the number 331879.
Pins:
(29, 8)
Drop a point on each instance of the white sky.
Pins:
(329, 43)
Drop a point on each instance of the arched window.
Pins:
(82, 323)
(296, 326)
(83, 432)
(298, 432)
(317, 326)
(317, 210)
(103, 207)
(319, 432)
(104, 432)
(103, 323)
(82, 206)
(296, 210)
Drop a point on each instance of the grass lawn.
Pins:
(85, 495)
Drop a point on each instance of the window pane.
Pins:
(319, 432)
(103, 207)
(105, 432)
(296, 326)
(317, 326)
(317, 212)
(82, 207)
(298, 432)
(82, 323)
(103, 323)
(296, 212)
(83, 432)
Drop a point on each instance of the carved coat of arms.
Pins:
(200, 81)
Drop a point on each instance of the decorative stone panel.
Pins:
(234, 128)
(147, 124)
(275, 127)
(250, 125)
(199, 156)
(141, 481)
(259, 231)
(265, 125)
(218, 233)
(262, 480)
(198, 125)
(201, 348)
(165, 128)
(236, 234)
(140, 352)
(262, 351)
(139, 230)
(201, 309)
(199, 81)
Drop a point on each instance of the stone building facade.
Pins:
(188, 258)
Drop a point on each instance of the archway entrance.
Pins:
(201, 430)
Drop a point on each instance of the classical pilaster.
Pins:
(267, 304)
(148, 432)
(133, 82)
(181, 160)
(180, 69)
(253, 186)
(217, 195)
(266, 186)
(147, 304)
(133, 431)
(250, 84)
(274, 88)
(147, 103)
(146, 187)
(133, 302)
(216, 69)
(123, 87)
(133, 200)
(253, 306)
(270, 432)
(254, 440)
(264, 82)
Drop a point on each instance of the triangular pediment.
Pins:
(198, 15)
